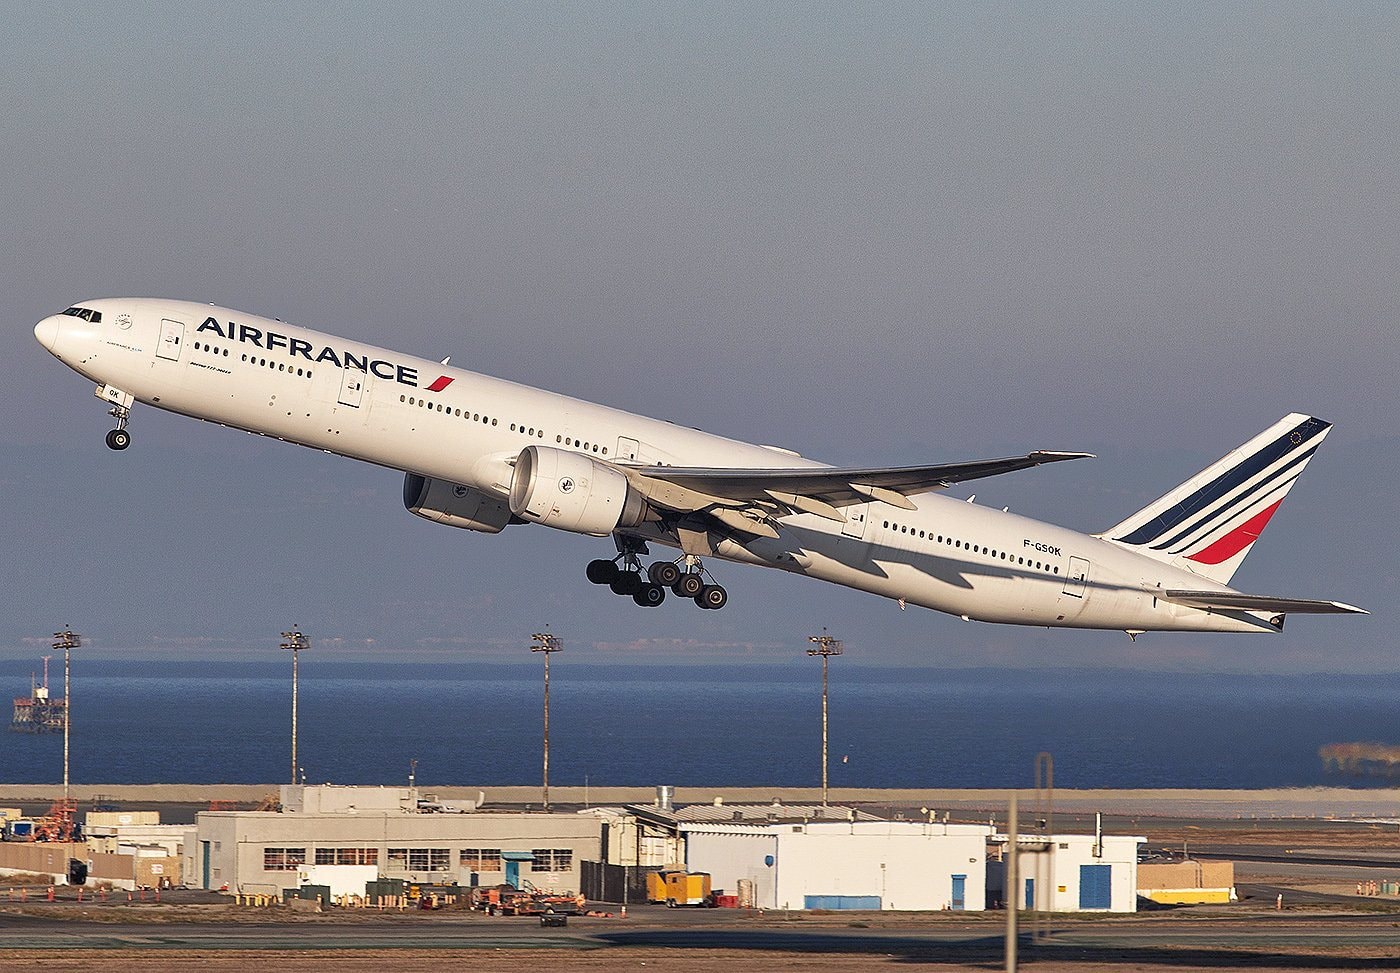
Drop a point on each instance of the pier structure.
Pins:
(40, 711)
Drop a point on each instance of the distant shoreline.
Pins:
(1301, 802)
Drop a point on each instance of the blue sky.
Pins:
(874, 234)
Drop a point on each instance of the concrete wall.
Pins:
(1186, 875)
(1187, 882)
(50, 860)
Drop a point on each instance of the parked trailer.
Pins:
(688, 888)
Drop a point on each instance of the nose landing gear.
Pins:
(117, 438)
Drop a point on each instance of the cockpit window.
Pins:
(86, 313)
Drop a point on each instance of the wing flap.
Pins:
(1226, 600)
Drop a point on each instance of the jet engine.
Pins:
(455, 505)
(563, 489)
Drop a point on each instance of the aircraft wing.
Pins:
(1262, 603)
(842, 487)
(747, 499)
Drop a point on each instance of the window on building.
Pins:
(283, 859)
(347, 856)
(482, 859)
(420, 859)
(552, 859)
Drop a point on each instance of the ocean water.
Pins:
(475, 725)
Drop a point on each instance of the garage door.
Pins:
(841, 902)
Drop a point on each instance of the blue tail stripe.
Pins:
(1244, 499)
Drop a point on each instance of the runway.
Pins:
(1261, 941)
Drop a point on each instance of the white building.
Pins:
(893, 865)
(1070, 873)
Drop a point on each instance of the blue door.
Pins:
(1030, 893)
(959, 892)
(513, 873)
(1094, 889)
(205, 856)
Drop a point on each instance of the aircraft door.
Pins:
(856, 515)
(352, 387)
(1078, 577)
(628, 448)
(172, 336)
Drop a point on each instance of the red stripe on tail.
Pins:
(1237, 540)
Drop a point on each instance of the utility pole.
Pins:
(66, 641)
(294, 641)
(1011, 880)
(826, 648)
(548, 644)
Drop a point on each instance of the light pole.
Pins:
(826, 648)
(66, 641)
(548, 644)
(294, 641)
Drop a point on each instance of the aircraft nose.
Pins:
(47, 331)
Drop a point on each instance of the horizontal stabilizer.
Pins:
(1258, 603)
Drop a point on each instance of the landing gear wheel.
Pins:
(688, 585)
(626, 583)
(601, 571)
(712, 596)
(664, 573)
(650, 595)
(118, 439)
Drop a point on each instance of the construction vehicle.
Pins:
(507, 900)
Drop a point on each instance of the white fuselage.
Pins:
(378, 406)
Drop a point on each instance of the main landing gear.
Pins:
(624, 575)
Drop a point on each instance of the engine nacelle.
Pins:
(453, 504)
(563, 489)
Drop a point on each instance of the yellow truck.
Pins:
(678, 888)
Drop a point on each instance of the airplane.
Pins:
(483, 454)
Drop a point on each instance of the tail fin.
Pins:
(1209, 523)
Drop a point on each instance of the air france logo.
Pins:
(271, 340)
(566, 484)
